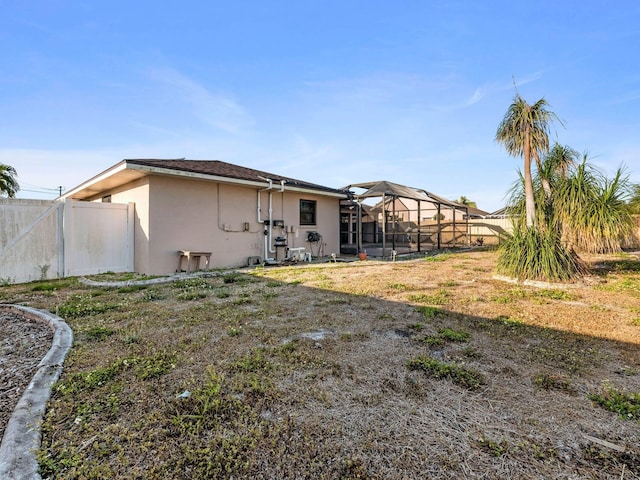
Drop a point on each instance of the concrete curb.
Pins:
(22, 436)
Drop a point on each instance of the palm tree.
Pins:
(524, 132)
(634, 201)
(559, 160)
(591, 210)
(465, 201)
(8, 183)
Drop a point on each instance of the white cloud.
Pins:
(215, 109)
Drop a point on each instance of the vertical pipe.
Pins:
(419, 226)
(359, 228)
(454, 227)
(439, 228)
(384, 224)
(395, 224)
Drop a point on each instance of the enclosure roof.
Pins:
(380, 188)
(212, 170)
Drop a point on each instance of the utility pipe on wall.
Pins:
(268, 237)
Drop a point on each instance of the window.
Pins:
(307, 212)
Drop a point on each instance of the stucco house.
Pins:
(239, 215)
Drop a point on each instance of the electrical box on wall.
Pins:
(245, 226)
(278, 223)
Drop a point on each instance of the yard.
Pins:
(423, 368)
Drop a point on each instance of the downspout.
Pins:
(267, 235)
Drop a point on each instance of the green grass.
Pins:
(82, 306)
(458, 374)
(625, 404)
(441, 297)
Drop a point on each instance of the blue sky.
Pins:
(333, 92)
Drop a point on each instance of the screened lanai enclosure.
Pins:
(383, 217)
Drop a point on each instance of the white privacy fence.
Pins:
(42, 239)
(491, 230)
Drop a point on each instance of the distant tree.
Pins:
(465, 201)
(524, 132)
(8, 183)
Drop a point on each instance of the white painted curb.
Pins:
(22, 436)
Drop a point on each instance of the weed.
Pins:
(433, 340)
(397, 286)
(82, 305)
(441, 297)
(131, 288)
(254, 362)
(241, 301)
(458, 374)
(430, 312)
(98, 333)
(438, 258)
(234, 278)
(626, 405)
(153, 366)
(51, 286)
(549, 381)
(90, 380)
(274, 283)
(152, 295)
(509, 321)
(497, 449)
(191, 295)
(626, 285)
(625, 265)
(448, 283)
(470, 352)
(554, 294)
(418, 326)
(234, 331)
(454, 335)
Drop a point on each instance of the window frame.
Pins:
(308, 212)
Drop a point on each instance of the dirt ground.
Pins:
(421, 368)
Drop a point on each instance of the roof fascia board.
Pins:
(98, 178)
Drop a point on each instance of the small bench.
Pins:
(188, 254)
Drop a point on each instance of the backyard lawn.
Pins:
(422, 368)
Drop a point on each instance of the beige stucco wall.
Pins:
(138, 193)
(189, 214)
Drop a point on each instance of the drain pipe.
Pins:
(267, 234)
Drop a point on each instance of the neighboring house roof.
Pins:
(214, 170)
(501, 213)
(473, 212)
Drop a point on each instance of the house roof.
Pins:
(214, 170)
